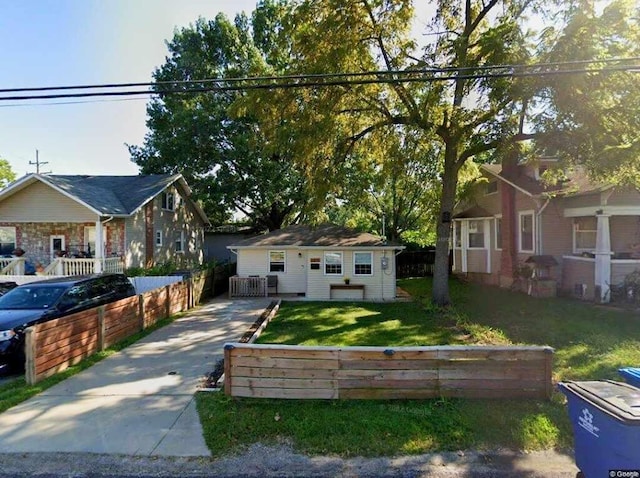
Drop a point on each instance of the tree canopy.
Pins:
(7, 174)
(221, 154)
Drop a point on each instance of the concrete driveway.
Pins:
(139, 401)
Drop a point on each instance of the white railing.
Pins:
(63, 266)
(247, 286)
(12, 266)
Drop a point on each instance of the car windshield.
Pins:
(26, 297)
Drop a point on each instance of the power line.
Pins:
(310, 81)
(306, 76)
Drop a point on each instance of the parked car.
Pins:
(6, 287)
(50, 299)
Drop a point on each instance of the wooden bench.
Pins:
(358, 287)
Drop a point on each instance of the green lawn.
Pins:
(590, 342)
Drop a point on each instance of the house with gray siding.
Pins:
(138, 221)
(580, 236)
(320, 263)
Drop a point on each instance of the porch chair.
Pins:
(272, 282)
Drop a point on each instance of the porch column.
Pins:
(603, 259)
(99, 252)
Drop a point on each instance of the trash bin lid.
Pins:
(630, 372)
(618, 399)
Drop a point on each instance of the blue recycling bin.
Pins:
(605, 416)
(631, 375)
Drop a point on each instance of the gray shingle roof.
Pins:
(326, 235)
(113, 195)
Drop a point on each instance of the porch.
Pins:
(63, 266)
(579, 276)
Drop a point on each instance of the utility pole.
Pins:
(38, 163)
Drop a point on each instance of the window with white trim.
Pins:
(457, 234)
(526, 231)
(168, 201)
(89, 245)
(498, 231)
(363, 263)
(476, 234)
(180, 243)
(7, 240)
(492, 187)
(158, 238)
(333, 263)
(277, 261)
(585, 230)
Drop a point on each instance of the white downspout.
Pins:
(539, 248)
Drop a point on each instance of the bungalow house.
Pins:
(324, 262)
(579, 236)
(83, 224)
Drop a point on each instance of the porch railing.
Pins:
(12, 266)
(63, 266)
(247, 286)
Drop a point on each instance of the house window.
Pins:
(158, 238)
(526, 231)
(492, 187)
(7, 240)
(498, 232)
(363, 263)
(89, 246)
(585, 230)
(168, 201)
(333, 263)
(457, 234)
(277, 261)
(476, 234)
(180, 242)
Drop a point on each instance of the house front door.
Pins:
(56, 245)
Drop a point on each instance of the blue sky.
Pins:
(72, 42)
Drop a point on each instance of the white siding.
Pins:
(380, 285)
(134, 235)
(300, 278)
(41, 203)
(256, 262)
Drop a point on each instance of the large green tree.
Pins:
(222, 153)
(466, 114)
(592, 119)
(7, 174)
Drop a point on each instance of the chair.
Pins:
(272, 282)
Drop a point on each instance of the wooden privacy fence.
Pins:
(55, 345)
(298, 372)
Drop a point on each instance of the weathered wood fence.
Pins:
(299, 372)
(247, 286)
(53, 346)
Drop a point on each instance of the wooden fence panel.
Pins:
(120, 320)
(178, 297)
(281, 371)
(154, 306)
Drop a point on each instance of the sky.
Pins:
(74, 42)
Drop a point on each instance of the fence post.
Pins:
(30, 355)
(167, 301)
(101, 328)
(141, 311)
(227, 368)
(190, 300)
(548, 371)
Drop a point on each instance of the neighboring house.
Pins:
(139, 221)
(315, 261)
(216, 240)
(583, 236)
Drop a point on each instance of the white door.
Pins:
(56, 244)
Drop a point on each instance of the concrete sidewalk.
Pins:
(139, 401)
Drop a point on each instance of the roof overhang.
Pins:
(510, 183)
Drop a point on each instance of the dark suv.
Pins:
(50, 299)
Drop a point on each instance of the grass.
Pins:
(17, 390)
(590, 343)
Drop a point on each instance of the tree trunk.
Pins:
(440, 293)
